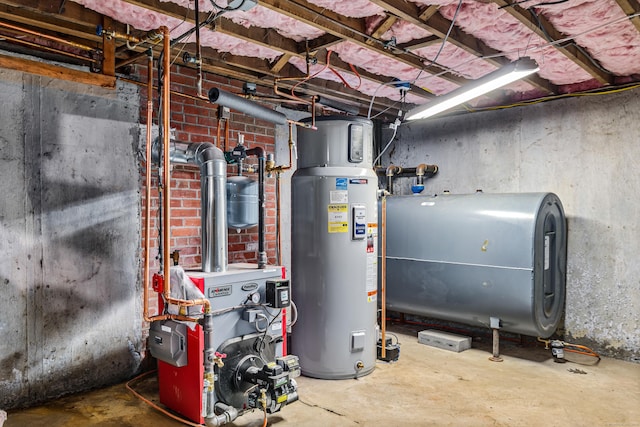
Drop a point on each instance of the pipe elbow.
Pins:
(393, 170)
(204, 152)
(256, 151)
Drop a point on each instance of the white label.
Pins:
(546, 252)
(276, 326)
(372, 274)
(165, 328)
(339, 196)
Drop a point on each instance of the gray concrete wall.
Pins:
(69, 237)
(584, 149)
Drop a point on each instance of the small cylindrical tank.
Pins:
(467, 258)
(334, 249)
(242, 202)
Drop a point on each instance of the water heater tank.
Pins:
(334, 249)
(467, 258)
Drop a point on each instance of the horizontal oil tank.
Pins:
(467, 258)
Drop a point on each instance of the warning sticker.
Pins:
(372, 269)
(338, 218)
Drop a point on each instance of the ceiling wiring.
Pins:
(541, 46)
(593, 92)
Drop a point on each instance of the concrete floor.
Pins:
(426, 387)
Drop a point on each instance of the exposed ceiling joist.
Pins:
(544, 29)
(631, 7)
(439, 26)
(261, 37)
(350, 29)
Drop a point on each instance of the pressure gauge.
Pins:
(255, 297)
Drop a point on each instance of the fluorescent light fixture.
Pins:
(501, 77)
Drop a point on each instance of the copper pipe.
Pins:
(166, 178)
(383, 278)
(46, 36)
(278, 236)
(226, 135)
(147, 192)
(47, 48)
(166, 168)
(218, 133)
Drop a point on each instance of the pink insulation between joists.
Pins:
(501, 31)
(603, 44)
(283, 25)
(367, 86)
(143, 19)
(350, 8)
(259, 17)
(404, 32)
(380, 64)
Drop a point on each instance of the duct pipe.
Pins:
(213, 187)
(213, 204)
(338, 105)
(262, 254)
(245, 106)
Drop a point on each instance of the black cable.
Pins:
(548, 38)
(260, 346)
(549, 3)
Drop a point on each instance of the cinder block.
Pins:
(444, 340)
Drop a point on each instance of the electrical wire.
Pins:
(395, 130)
(260, 346)
(129, 387)
(534, 48)
(431, 62)
(295, 311)
(593, 92)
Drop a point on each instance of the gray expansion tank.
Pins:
(467, 258)
(334, 249)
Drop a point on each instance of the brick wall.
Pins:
(195, 120)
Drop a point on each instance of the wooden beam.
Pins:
(428, 12)
(350, 29)
(546, 31)
(39, 20)
(384, 26)
(108, 49)
(280, 63)
(57, 72)
(419, 43)
(322, 42)
(261, 37)
(631, 7)
(439, 26)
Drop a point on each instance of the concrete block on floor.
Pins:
(444, 340)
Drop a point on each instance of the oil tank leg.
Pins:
(495, 327)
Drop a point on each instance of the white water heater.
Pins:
(334, 249)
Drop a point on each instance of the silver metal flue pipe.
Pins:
(213, 200)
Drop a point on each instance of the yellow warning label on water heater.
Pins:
(338, 218)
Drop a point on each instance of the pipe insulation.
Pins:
(245, 106)
(338, 105)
